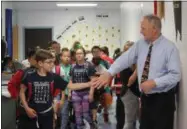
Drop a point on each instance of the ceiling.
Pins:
(52, 5)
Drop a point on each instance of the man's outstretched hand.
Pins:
(101, 81)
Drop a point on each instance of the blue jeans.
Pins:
(65, 115)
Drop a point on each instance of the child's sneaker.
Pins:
(99, 109)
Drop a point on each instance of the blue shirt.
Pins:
(164, 64)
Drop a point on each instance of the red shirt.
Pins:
(117, 83)
(107, 58)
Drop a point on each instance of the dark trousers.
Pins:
(157, 110)
(120, 113)
(45, 121)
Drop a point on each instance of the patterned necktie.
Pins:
(146, 66)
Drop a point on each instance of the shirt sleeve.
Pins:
(173, 75)
(126, 60)
(59, 83)
(71, 72)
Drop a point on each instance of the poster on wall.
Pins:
(98, 33)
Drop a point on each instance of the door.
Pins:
(37, 37)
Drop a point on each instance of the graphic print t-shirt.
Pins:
(82, 73)
(41, 89)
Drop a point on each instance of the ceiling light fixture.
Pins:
(76, 5)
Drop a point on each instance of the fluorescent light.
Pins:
(141, 5)
(76, 5)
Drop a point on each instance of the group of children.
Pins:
(48, 90)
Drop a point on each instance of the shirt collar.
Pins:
(65, 65)
(157, 41)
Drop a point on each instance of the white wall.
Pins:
(169, 31)
(182, 112)
(131, 14)
(58, 19)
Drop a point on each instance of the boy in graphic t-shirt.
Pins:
(36, 93)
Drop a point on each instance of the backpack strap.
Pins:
(57, 69)
(28, 74)
(72, 69)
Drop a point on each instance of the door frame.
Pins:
(35, 27)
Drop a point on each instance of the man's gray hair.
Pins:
(155, 20)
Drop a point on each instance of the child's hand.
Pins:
(55, 116)
(131, 80)
(31, 112)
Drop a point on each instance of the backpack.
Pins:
(14, 86)
(57, 71)
(15, 81)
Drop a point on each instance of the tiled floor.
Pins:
(112, 117)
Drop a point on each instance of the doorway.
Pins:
(37, 37)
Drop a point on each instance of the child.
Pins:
(81, 75)
(36, 93)
(63, 70)
(130, 93)
(26, 63)
(102, 95)
(95, 95)
(8, 65)
(15, 81)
